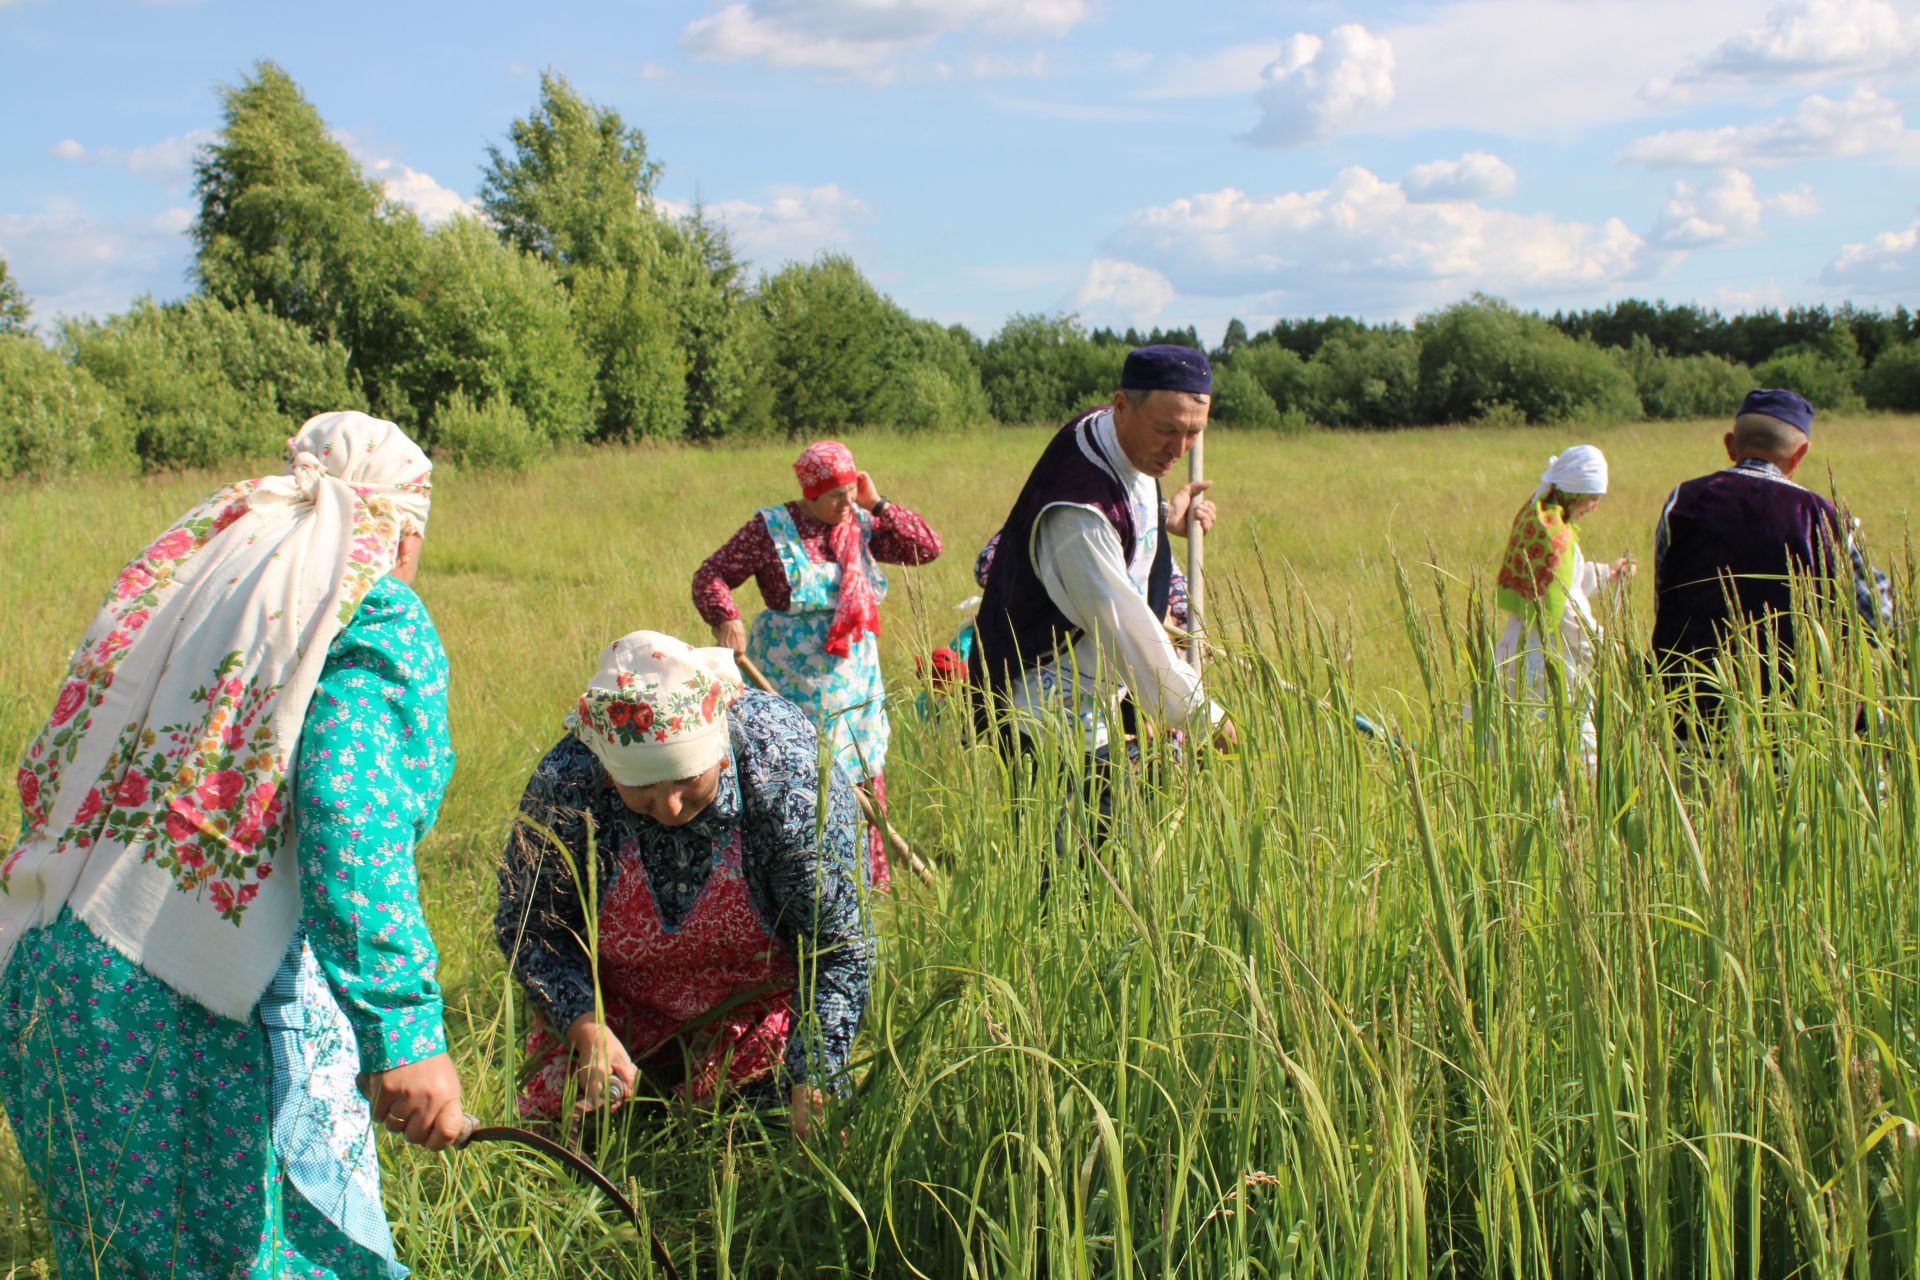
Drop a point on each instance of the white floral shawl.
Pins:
(155, 798)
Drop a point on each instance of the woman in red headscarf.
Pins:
(815, 561)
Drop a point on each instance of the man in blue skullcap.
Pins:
(1729, 545)
(1071, 619)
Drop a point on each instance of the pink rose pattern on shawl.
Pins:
(203, 799)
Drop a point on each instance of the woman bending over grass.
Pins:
(679, 826)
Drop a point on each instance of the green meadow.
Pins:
(1436, 1002)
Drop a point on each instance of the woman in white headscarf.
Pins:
(210, 924)
(682, 829)
(1547, 584)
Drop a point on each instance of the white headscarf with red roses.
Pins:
(156, 798)
(656, 710)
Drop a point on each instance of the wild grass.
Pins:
(1439, 1002)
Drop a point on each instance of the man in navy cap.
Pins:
(1729, 544)
(1071, 620)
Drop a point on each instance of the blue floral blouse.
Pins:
(801, 870)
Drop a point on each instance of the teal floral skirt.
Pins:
(144, 1118)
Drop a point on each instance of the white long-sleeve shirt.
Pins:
(1123, 647)
(1520, 655)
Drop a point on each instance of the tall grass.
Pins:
(1439, 1001)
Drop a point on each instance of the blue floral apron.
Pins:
(843, 695)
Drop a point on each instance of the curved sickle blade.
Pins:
(580, 1166)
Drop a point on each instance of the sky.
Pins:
(1132, 163)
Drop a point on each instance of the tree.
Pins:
(1240, 401)
(825, 329)
(1234, 341)
(286, 217)
(1042, 368)
(54, 418)
(207, 384)
(1893, 382)
(1365, 378)
(16, 313)
(1482, 358)
(490, 322)
(575, 185)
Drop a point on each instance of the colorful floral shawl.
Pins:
(1537, 570)
(155, 797)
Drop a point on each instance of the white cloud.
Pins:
(1820, 128)
(1318, 88)
(1122, 293)
(1813, 40)
(70, 263)
(1360, 243)
(1887, 264)
(794, 223)
(1760, 297)
(652, 71)
(168, 162)
(1474, 176)
(419, 191)
(1542, 68)
(1231, 71)
(1726, 210)
(865, 38)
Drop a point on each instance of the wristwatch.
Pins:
(880, 504)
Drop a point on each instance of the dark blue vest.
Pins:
(1018, 625)
(1740, 537)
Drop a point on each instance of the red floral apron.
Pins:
(655, 981)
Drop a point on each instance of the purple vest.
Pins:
(1739, 535)
(1018, 625)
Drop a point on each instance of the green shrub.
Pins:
(492, 436)
(1044, 368)
(1830, 385)
(1370, 378)
(1893, 380)
(1240, 401)
(924, 398)
(929, 379)
(56, 419)
(628, 331)
(824, 340)
(489, 320)
(1478, 354)
(1281, 373)
(205, 384)
(1699, 386)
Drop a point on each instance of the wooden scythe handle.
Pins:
(894, 839)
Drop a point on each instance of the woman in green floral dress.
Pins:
(210, 924)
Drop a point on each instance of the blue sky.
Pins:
(1123, 160)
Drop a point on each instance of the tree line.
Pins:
(574, 307)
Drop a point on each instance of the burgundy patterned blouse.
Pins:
(899, 537)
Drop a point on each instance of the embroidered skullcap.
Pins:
(824, 465)
(1165, 367)
(1581, 470)
(1789, 407)
(656, 710)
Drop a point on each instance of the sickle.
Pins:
(474, 1131)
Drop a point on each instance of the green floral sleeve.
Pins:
(374, 760)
